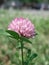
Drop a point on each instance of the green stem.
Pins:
(22, 52)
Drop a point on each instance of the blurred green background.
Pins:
(31, 4)
(9, 55)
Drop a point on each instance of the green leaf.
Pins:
(19, 47)
(28, 53)
(28, 56)
(13, 34)
(25, 63)
(26, 48)
(32, 56)
(25, 39)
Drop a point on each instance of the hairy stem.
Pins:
(22, 52)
